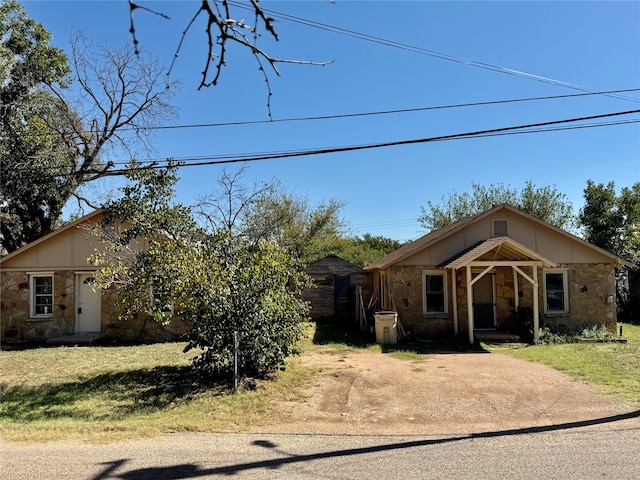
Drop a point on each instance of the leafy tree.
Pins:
(26, 61)
(219, 283)
(612, 222)
(268, 213)
(545, 203)
(366, 249)
(53, 138)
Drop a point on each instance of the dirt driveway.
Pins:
(368, 393)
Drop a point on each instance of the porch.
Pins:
(484, 258)
(495, 336)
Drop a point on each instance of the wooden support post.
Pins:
(470, 305)
(454, 295)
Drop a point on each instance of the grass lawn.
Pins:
(614, 367)
(102, 394)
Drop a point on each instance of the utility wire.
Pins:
(381, 112)
(519, 129)
(424, 51)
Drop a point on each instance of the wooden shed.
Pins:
(339, 285)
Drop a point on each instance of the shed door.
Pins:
(341, 295)
(483, 303)
(88, 305)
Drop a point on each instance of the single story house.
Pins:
(472, 274)
(46, 291)
(341, 288)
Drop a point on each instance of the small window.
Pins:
(500, 228)
(434, 292)
(555, 291)
(41, 298)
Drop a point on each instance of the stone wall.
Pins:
(590, 288)
(17, 325)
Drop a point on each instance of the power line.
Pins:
(382, 112)
(554, 125)
(424, 51)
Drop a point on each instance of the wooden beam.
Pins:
(516, 288)
(469, 305)
(536, 320)
(454, 296)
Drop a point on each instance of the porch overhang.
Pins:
(487, 255)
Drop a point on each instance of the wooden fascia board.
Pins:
(507, 263)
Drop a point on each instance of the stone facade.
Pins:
(18, 325)
(591, 300)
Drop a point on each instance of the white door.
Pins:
(88, 305)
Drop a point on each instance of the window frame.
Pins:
(565, 290)
(493, 227)
(33, 295)
(445, 296)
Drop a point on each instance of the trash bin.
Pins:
(386, 327)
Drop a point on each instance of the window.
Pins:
(501, 228)
(434, 292)
(41, 299)
(555, 291)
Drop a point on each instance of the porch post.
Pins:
(536, 320)
(454, 296)
(469, 305)
(516, 302)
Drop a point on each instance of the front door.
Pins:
(483, 303)
(88, 305)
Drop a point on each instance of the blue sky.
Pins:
(594, 45)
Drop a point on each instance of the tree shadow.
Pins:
(190, 470)
(122, 393)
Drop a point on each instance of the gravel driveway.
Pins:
(368, 393)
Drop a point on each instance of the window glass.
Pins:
(42, 295)
(434, 293)
(555, 291)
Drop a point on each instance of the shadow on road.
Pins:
(185, 471)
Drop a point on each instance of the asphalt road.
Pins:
(606, 448)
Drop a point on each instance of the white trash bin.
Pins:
(386, 327)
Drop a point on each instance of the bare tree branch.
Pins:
(223, 27)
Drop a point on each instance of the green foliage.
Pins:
(268, 213)
(612, 221)
(29, 147)
(52, 138)
(520, 322)
(593, 333)
(366, 249)
(545, 203)
(248, 291)
(218, 283)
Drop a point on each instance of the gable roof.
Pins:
(503, 246)
(55, 233)
(440, 234)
